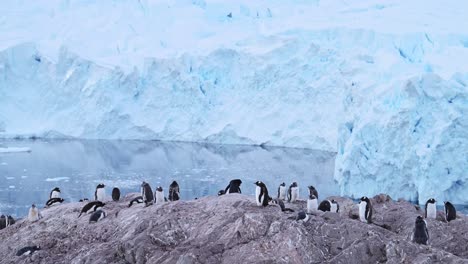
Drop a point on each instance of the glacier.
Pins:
(382, 84)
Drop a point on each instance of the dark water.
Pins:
(200, 169)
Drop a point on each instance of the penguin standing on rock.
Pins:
(100, 193)
(233, 187)
(282, 191)
(55, 193)
(147, 193)
(313, 191)
(335, 207)
(293, 192)
(115, 194)
(174, 193)
(159, 195)
(33, 214)
(6, 221)
(54, 201)
(431, 210)
(97, 216)
(261, 194)
(365, 210)
(450, 211)
(27, 251)
(420, 233)
(302, 216)
(281, 205)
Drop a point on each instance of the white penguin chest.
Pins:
(101, 194)
(282, 192)
(431, 211)
(362, 211)
(33, 214)
(159, 197)
(55, 194)
(312, 205)
(334, 207)
(258, 199)
(294, 193)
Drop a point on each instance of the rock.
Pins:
(232, 229)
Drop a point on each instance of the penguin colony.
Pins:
(420, 232)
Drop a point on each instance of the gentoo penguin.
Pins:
(261, 194)
(313, 191)
(97, 216)
(115, 194)
(365, 210)
(233, 187)
(282, 191)
(174, 193)
(27, 251)
(91, 206)
(302, 216)
(100, 193)
(55, 193)
(312, 204)
(420, 234)
(431, 211)
(325, 206)
(54, 201)
(138, 199)
(281, 205)
(335, 207)
(6, 221)
(450, 211)
(147, 193)
(33, 214)
(159, 195)
(221, 192)
(293, 192)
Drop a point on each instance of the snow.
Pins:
(13, 150)
(345, 76)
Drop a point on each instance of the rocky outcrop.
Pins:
(232, 229)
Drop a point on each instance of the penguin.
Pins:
(312, 204)
(221, 192)
(325, 206)
(261, 194)
(281, 204)
(293, 192)
(97, 216)
(147, 194)
(138, 199)
(159, 195)
(365, 210)
(174, 193)
(115, 194)
(84, 200)
(420, 233)
(54, 201)
(302, 216)
(55, 193)
(27, 251)
(282, 191)
(33, 214)
(450, 211)
(100, 193)
(335, 207)
(313, 191)
(94, 205)
(233, 187)
(431, 211)
(4, 222)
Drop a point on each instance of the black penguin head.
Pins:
(311, 187)
(174, 183)
(294, 184)
(364, 199)
(333, 201)
(101, 185)
(259, 183)
(283, 184)
(33, 206)
(61, 200)
(312, 197)
(159, 189)
(432, 200)
(419, 219)
(57, 189)
(221, 192)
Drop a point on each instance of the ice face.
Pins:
(411, 143)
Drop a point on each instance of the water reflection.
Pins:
(201, 169)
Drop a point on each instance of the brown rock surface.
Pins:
(232, 229)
